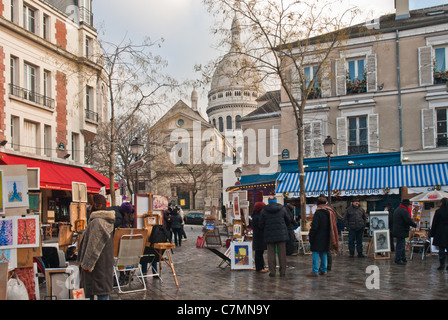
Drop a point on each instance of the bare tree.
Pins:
(135, 82)
(283, 36)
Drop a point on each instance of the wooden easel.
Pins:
(377, 255)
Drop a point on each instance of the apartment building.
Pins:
(385, 108)
(52, 94)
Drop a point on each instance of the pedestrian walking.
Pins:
(439, 231)
(388, 208)
(320, 239)
(258, 244)
(355, 220)
(167, 222)
(96, 251)
(182, 215)
(176, 227)
(275, 221)
(402, 222)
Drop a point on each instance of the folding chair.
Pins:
(129, 254)
(419, 240)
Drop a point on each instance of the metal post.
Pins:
(329, 181)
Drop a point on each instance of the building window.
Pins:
(31, 134)
(440, 65)
(237, 122)
(88, 47)
(229, 123)
(47, 88)
(14, 71)
(46, 27)
(14, 11)
(75, 147)
(31, 81)
(29, 19)
(442, 132)
(47, 140)
(357, 130)
(315, 91)
(15, 132)
(228, 93)
(221, 124)
(214, 123)
(356, 76)
(90, 113)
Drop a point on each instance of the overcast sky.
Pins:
(185, 26)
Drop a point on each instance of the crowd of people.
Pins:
(273, 227)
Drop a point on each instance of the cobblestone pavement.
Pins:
(200, 278)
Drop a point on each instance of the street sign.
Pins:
(137, 165)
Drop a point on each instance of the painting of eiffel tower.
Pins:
(16, 191)
(26, 231)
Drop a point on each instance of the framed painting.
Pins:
(159, 202)
(16, 191)
(59, 283)
(79, 192)
(8, 231)
(9, 256)
(28, 231)
(379, 220)
(236, 207)
(241, 255)
(381, 241)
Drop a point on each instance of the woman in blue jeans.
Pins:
(320, 239)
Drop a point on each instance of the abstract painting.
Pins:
(241, 255)
(28, 231)
(7, 231)
(2, 196)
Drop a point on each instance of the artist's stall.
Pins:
(20, 234)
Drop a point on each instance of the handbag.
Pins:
(16, 290)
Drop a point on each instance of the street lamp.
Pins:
(328, 149)
(238, 173)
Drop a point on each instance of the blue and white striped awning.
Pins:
(368, 179)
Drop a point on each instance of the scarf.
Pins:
(334, 236)
(98, 232)
(409, 209)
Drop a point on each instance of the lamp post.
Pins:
(328, 148)
(136, 149)
(238, 174)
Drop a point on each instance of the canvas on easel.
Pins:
(241, 255)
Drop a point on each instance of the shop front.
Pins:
(53, 183)
(375, 186)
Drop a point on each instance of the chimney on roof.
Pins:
(402, 9)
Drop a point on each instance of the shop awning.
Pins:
(367, 181)
(58, 176)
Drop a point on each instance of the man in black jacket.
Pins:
(275, 221)
(355, 220)
(402, 222)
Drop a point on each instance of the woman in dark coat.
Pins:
(258, 244)
(439, 231)
(320, 239)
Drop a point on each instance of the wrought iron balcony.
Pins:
(90, 115)
(31, 96)
(86, 16)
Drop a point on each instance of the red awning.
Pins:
(58, 176)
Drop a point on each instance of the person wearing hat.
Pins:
(123, 215)
(402, 222)
(355, 220)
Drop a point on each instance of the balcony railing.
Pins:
(90, 115)
(86, 16)
(31, 96)
(361, 149)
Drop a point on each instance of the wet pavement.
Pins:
(201, 278)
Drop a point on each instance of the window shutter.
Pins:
(317, 139)
(425, 66)
(340, 77)
(373, 133)
(428, 129)
(371, 73)
(326, 81)
(307, 141)
(341, 128)
(295, 84)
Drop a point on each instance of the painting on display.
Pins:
(379, 220)
(28, 231)
(241, 255)
(381, 242)
(7, 232)
(2, 193)
(159, 202)
(236, 207)
(9, 256)
(16, 191)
